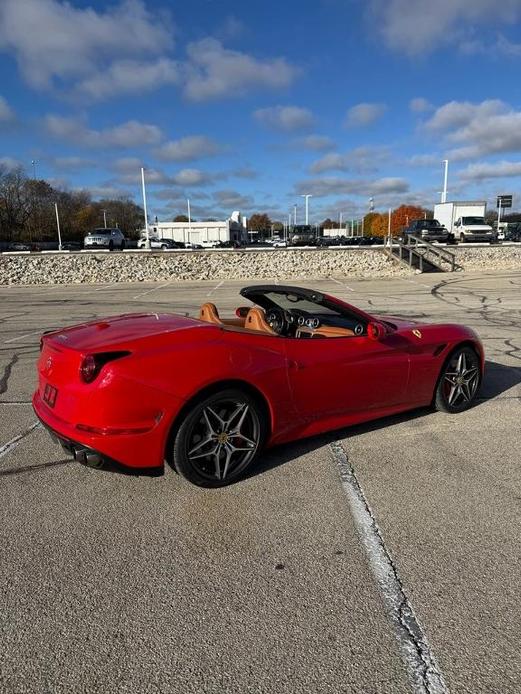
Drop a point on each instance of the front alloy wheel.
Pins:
(459, 381)
(219, 439)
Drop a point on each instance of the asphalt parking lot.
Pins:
(117, 583)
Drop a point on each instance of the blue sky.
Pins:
(249, 105)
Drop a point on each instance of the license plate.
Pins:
(50, 394)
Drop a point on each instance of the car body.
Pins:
(473, 229)
(124, 388)
(163, 244)
(105, 238)
(427, 230)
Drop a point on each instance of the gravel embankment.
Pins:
(163, 266)
(77, 268)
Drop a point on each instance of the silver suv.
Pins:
(104, 238)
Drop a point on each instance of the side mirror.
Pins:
(375, 331)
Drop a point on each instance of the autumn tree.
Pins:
(259, 222)
(182, 218)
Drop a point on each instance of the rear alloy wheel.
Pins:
(459, 381)
(219, 439)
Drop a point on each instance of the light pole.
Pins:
(189, 221)
(58, 226)
(34, 162)
(104, 218)
(295, 215)
(307, 196)
(445, 181)
(147, 242)
(339, 222)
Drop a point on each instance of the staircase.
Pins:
(422, 255)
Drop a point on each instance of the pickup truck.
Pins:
(473, 229)
(427, 230)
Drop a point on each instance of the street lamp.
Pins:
(104, 218)
(445, 181)
(34, 162)
(58, 226)
(295, 215)
(307, 196)
(147, 241)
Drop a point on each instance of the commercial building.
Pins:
(202, 233)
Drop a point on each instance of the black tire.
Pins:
(111, 245)
(164, 246)
(122, 245)
(462, 238)
(459, 381)
(220, 466)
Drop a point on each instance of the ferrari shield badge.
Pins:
(417, 333)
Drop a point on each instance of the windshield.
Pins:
(432, 223)
(471, 221)
(100, 232)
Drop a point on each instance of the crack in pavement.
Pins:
(417, 656)
(4, 379)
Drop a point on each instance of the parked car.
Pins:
(141, 388)
(513, 232)
(17, 246)
(105, 238)
(163, 244)
(427, 230)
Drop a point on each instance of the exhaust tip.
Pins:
(88, 457)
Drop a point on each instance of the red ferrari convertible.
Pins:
(207, 393)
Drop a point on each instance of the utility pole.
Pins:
(147, 242)
(445, 181)
(389, 227)
(189, 220)
(307, 196)
(34, 162)
(295, 215)
(104, 218)
(58, 226)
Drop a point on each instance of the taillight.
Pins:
(93, 363)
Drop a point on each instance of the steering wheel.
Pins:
(276, 319)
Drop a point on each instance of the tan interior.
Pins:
(256, 321)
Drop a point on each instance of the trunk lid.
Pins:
(107, 333)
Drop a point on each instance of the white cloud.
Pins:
(71, 163)
(285, 118)
(483, 171)
(364, 114)
(232, 200)
(316, 143)
(6, 112)
(425, 160)
(419, 105)
(127, 76)
(343, 186)
(192, 177)
(419, 26)
(188, 148)
(10, 163)
(473, 130)
(129, 134)
(214, 71)
(360, 160)
(53, 40)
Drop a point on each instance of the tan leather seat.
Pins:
(255, 320)
(209, 313)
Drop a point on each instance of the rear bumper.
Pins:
(143, 449)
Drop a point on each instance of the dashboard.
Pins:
(301, 324)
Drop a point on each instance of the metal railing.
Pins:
(422, 252)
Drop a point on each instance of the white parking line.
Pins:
(415, 282)
(215, 288)
(346, 286)
(154, 289)
(21, 337)
(417, 656)
(13, 443)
